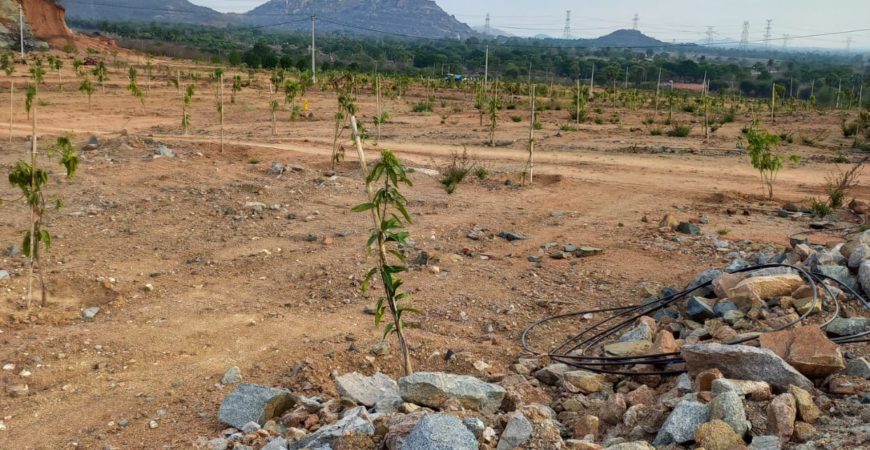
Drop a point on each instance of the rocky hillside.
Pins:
(44, 25)
(411, 17)
(143, 10)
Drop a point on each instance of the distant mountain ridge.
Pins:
(417, 18)
(172, 11)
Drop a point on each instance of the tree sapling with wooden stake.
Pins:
(530, 163)
(389, 217)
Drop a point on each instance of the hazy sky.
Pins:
(682, 20)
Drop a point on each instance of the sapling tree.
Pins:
(291, 91)
(186, 99)
(760, 147)
(31, 180)
(274, 106)
(87, 88)
(56, 64)
(237, 87)
(101, 74)
(37, 72)
(7, 63)
(77, 66)
(219, 101)
(133, 87)
(346, 109)
(389, 214)
(493, 107)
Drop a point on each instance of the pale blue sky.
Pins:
(682, 20)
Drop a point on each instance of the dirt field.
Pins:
(276, 291)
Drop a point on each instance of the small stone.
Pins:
(553, 374)
(153, 424)
(806, 407)
(435, 389)
(233, 375)
(613, 410)
(807, 349)
(517, 432)
(804, 432)
(697, 309)
(586, 251)
(89, 314)
(681, 425)
(643, 395)
(755, 390)
(728, 407)
(368, 391)
(858, 367)
(704, 380)
(781, 415)
(585, 381)
(717, 435)
(743, 362)
(441, 432)
(664, 343)
(584, 426)
(848, 327)
(253, 403)
(9, 367)
(765, 443)
(511, 236)
(631, 348)
(759, 289)
(688, 228)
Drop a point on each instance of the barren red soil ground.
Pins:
(237, 287)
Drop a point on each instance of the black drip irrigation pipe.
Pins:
(575, 350)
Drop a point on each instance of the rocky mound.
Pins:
(44, 26)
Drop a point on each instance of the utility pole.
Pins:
(658, 89)
(486, 70)
(21, 28)
(530, 164)
(577, 101)
(839, 90)
(625, 86)
(773, 103)
(592, 83)
(313, 52)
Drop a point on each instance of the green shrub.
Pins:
(421, 107)
(820, 208)
(516, 119)
(680, 130)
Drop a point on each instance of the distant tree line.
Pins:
(750, 73)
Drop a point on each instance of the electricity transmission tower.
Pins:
(568, 25)
(710, 33)
(767, 33)
(849, 44)
(486, 28)
(744, 37)
(785, 38)
(635, 21)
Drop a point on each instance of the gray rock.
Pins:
(848, 327)
(636, 445)
(765, 443)
(278, 443)
(440, 432)
(685, 384)
(704, 278)
(218, 444)
(697, 309)
(163, 151)
(233, 375)
(737, 264)
(89, 314)
(475, 426)
(858, 256)
(743, 362)
(680, 426)
(12, 250)
(553, 374)
(728, 407)
(688, 228)
(841, 274)
(858, 368)
(511, 236)
(517, 432)
(640, 333)
(4, 274)
(864, 276)
(254, 403)
(355, 421)
(365, 390)
(251, 427)
(723, 307)
(434, 389)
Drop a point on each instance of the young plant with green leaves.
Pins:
(32, 180)
(186, 100)
(133, 87)
(291, 92)
(389, 214)
(37, 72)
(101, 74)
(219, 101)
(274, 107)
(344, 86)
(7, 63)
(493, 107)
(237, 87)
(87, 88)
(56, 64)
(760, 145)
(77, 66)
